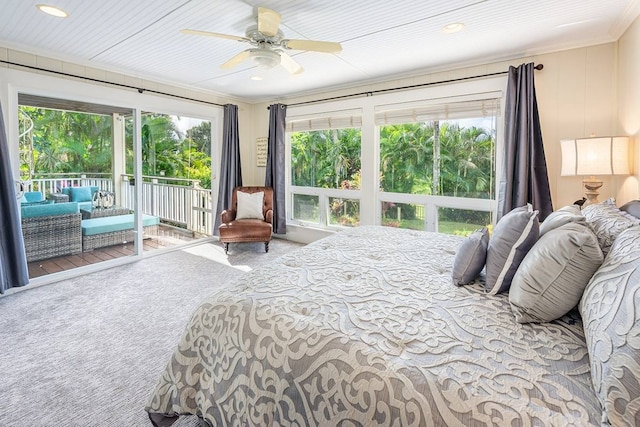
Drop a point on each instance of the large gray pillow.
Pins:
(514, 234)
(470, 257)
(607, 222)
(552, 277)
(611, 318)
(561, 217)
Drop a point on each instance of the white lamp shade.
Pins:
(595, 156)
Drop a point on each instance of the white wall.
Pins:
(580, 91)
(576, 94)
(628, 122)
(15, 79)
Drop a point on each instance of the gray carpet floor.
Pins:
(88, 351)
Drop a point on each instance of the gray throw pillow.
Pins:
(607, 222)
(632, 208)
(470, 257)
(514, 234)
(561, 217)
(552, 277)
(611, 319)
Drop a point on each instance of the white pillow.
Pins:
(250, 205)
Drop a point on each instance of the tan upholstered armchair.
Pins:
(250, 224)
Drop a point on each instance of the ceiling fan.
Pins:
(269, 44)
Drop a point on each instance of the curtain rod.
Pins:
(372, 92)
(139, 89)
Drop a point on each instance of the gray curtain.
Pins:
(13, 261)
(524, 176)
(275, 173)
(230, 169)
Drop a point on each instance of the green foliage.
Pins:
(325, 158)
(465, 166)
(167, 152)
(65, 141)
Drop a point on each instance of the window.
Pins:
(176, 170)
(325, 170)
(422, 159)
(444, 149)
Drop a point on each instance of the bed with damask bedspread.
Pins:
(365, 328)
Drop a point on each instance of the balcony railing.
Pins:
(176, 201)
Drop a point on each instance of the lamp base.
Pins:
(591, 187)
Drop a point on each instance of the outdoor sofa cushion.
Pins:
(31, 197)
(109, 224)
(48, 209)
(80, 194)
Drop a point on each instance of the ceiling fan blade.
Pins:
(312, 45)
(289, 64)
(237, 59)
(268, 21)
(210, 34)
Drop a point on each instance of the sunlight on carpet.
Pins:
(214, 253)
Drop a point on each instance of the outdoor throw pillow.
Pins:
(80, 194)
(250, 205)
(552, 277)
(470, 257)
(514, 234)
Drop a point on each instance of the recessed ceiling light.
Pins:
(256, 78)
(52, 10)
(453, 27)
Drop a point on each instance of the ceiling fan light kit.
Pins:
(265, 58)
(269, 44)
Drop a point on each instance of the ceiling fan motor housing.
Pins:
(257, 38)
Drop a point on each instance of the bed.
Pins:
(365, 328)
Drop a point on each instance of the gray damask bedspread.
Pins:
(366, 328)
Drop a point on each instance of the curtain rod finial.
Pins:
(539, 67)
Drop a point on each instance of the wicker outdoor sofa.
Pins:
(52, 236)
(114, 230)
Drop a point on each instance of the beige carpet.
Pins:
(88, 351)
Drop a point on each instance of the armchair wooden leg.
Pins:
(226, 247)
(266, 246)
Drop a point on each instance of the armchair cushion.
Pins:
(250, 205)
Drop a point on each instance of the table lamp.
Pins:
(608, 155)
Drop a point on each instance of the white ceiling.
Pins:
(381, 39)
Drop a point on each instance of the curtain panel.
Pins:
(524, 176)
(275, 173)
(230, 168)
(13, 261)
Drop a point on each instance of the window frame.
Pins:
(369, 195)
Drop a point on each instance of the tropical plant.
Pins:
(65, 141)
(325, 158)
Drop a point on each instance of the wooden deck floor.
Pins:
(167, 237)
